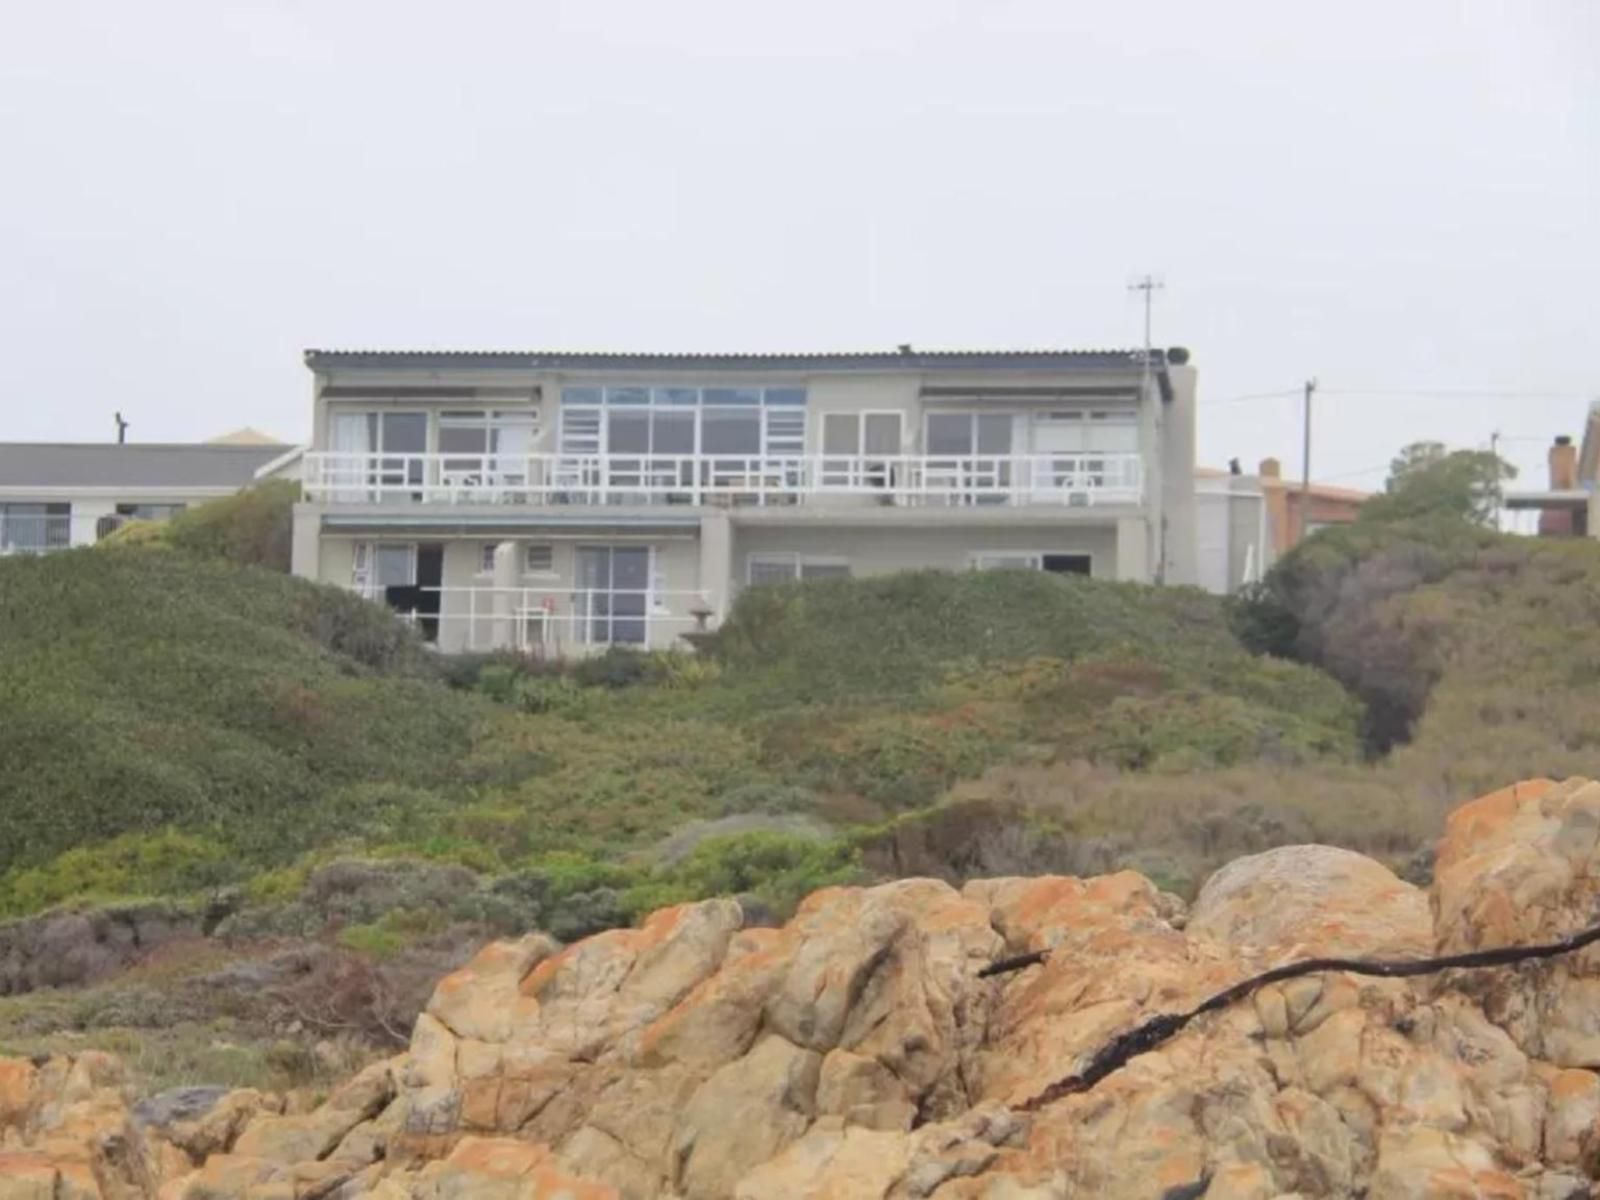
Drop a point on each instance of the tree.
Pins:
(1428, 480)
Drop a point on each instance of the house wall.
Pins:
(1173, 506)
(883, 551)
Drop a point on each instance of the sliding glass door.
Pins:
(968, 453)
(613, 595)
(385, 449)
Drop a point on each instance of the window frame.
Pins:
(1037, 557)
(546, 572)
(793, 559)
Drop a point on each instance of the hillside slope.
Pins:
(142, 690)
(263, 718)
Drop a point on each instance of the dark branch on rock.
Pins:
(1016, 963)
(1147, 1036)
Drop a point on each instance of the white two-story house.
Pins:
(559, 502)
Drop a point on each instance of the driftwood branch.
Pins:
(1147, 1036)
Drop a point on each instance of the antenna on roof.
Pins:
(122, 429)
(1149, 285)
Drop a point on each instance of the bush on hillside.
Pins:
(253, 528)
(151, 691)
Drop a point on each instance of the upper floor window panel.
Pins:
(682, 397)
(677, 421)
(1087, 431)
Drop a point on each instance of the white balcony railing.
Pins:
(28, 533)
(911, 480)
(542, 621)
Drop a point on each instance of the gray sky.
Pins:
(1394, 197)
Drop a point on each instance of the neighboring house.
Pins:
(1245, 523)
(61, 494)
(560, 502)
(1232, 537)
(1570, 506)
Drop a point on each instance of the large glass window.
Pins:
(397, 439)
(969, 433)
(676, 420)
(481, 445)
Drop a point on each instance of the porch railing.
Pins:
(599, 479)
(28, 533)
(548, 621)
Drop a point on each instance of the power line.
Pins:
(1355, 474)
(1279, 394)
(1512, 393)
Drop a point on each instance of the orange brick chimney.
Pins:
(1563, 465)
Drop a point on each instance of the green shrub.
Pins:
(252, 528)
(166, 863)
(777, 869)
(148, 691)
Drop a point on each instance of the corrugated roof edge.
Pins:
(555, 359)
(208, 447)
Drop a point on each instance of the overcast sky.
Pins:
(1397, 198)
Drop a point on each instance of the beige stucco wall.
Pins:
(1175, 562)
(884, 550)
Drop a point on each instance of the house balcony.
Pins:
(1066, 480)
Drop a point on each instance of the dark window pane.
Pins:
(677, 396)
(994, 433)
(629, 433)
(627, 395)
(672, 432)
(459, 439)
(730, 432)
(841, 433)
(733, 396)
(580, 395)
(786, 395)
(950, 433)
(405, 433)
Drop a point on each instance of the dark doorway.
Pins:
(430, 577)
(1067, 564)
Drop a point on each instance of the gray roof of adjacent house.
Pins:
(903, 358)
(139, 465)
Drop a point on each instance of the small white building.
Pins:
(54, 495)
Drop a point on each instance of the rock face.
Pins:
(855, 1052)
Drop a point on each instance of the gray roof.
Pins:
(138, 465)
(907, 358)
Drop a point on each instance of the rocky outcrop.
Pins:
(855, 1051)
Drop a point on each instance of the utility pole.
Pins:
(1305, 464)
(1150, 285)
(1497, 494)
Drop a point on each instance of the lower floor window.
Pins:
(30, 527)
(1020, 560)
(785, 568)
